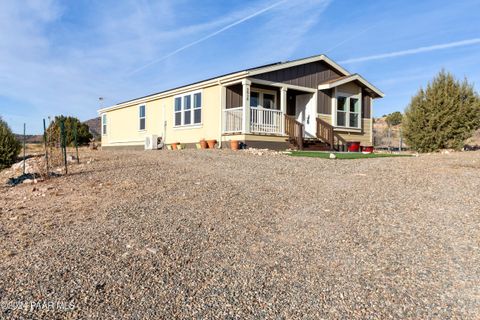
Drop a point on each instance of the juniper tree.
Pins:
(83, 133)
(9, 145)
(443, 115)
(394, 118)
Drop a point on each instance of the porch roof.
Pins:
(352, 78)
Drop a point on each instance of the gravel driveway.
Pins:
(235, 235)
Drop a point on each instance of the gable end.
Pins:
(309, 75)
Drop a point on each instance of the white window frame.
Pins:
(347, 109)
(144, 117)
(260, 97)
(104, 124)
(191, 110)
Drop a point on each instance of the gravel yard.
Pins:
(223, 234)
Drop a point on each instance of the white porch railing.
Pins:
(266, 121)
(232, 120)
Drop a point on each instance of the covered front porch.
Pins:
(254, 106)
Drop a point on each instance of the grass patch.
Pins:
(342, 155)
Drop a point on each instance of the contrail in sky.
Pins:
(409, 52)
(251, 16)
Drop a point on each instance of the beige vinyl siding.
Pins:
(350, 87)
(365, 137)
(123, 123)
(325, 117)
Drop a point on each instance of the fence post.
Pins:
(389, 139)
(45, 142)
(63, 144)
(75, 140)
(401, 139)
(24, 131)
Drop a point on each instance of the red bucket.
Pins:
(353, 146)
(367, 149)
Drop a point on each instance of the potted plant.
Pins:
(211, 143)
(203, 144)
(234, 144)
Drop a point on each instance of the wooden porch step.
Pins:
(315, 145)
(310, 144)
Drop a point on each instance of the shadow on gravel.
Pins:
(28, 177)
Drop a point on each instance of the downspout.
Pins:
(164, 125)
(220, 137)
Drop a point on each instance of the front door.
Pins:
(305, 113)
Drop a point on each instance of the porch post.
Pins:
(246, 105)
(283, 107)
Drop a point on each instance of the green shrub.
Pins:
(443, 115)
(9, 145)
(83, 134)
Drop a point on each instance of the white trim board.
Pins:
(282, 85)
(354, 77)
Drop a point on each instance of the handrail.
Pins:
(325, 132)
(294, 130)
(232, 120)
(340, 141)
(267, 121)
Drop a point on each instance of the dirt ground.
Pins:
(238, 235)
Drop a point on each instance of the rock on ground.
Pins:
(224, 234)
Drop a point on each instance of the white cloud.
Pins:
(210, 35)
(414, 51)
(50, 64)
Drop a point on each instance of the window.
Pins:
(268, 100)
(341, 111)
(354, 113)
(348, 111)
(141, 118)
(178, 111)
(104, 124)
(197, 108)
(254, 99)
(263, 98)
(188, 109)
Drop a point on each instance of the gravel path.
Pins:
(222, 234)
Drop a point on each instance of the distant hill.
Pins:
(381, 136)
(95, 126)
(30, 138)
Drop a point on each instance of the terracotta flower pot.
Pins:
(203, 144)
(234, 144)
(174, 145)
(211, 144)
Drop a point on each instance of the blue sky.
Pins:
(58, 57)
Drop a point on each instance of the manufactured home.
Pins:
(306, 103)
